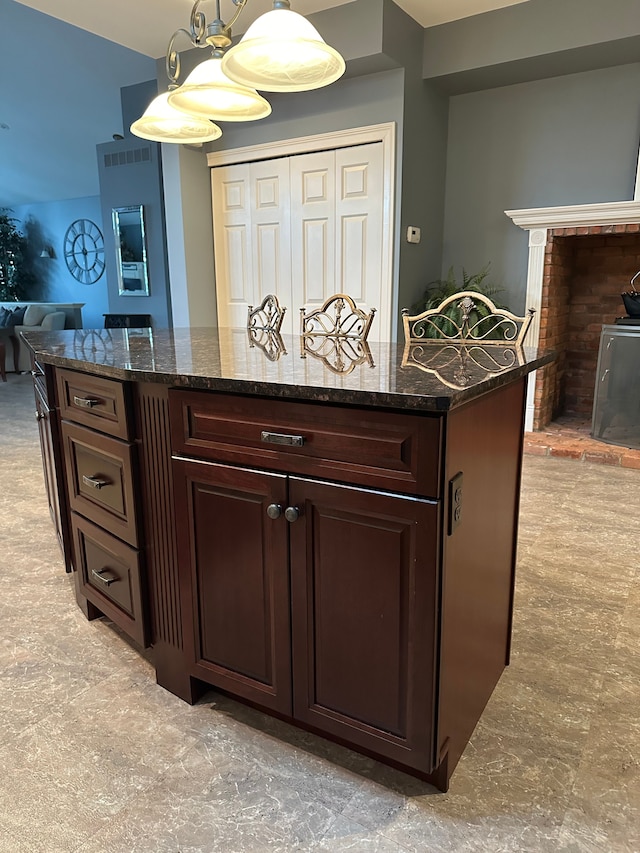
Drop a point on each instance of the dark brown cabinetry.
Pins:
(343, 559)
(321, 573)
(100, 475)
(316, 599)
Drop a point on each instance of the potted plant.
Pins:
(15, 275)
(440, 289)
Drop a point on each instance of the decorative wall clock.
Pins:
(84, 251)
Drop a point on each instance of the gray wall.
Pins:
(558, 141)
(189, 236)
(352, 102)
(135, 178)
(61, 98)
(423, 155)
(532, 40)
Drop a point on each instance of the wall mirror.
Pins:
(131, 251)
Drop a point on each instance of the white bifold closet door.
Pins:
(303, 227)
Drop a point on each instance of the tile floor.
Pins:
(96, 758)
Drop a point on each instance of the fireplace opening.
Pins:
(586, 269)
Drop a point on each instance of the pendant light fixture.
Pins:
(280, 52)
(161, 122)
(208, 92)
(283, 52)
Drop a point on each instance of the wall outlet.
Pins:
(455, 502)
(413, 234)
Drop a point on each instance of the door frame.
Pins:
(384, 133)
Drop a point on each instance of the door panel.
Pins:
(313, 228)
(364, 581)
(270, 231)
(304, 227)
(238, 568)
(359, 237)
(353, 275)
(316, 250)
(251, 237)
(231, 194)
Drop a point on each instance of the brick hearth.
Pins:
(569, 438)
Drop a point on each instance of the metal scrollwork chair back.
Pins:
(268, 316)
(338, 317)
(475, 319)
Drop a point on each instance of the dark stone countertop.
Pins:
(424, 377)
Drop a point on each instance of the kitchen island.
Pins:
(324, 530)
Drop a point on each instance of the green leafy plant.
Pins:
(15, 277)
(437, 291)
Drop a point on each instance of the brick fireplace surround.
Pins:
(585, 271)
(581, 258)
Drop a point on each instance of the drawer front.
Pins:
(39, 380)
(110, 576)
(385, 450)
(93, 401)
(100, 480)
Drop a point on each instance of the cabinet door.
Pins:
(234, 566)
(364, 605)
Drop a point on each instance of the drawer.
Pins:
(385, 450)
(100, 480)
(110, 576)
(93, 401)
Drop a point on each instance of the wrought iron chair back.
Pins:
(332, 320)
(477, 319)
(268, 316)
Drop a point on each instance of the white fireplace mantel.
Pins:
(538, 221)
(577, 215)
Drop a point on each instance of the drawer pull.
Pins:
(102, 575)
(280, 438)
(95, 482)
(86, 402)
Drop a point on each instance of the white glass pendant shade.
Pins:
(209, 93)
(161, 122)
(283, 52)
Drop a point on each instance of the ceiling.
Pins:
(127, 23)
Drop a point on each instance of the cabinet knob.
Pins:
(40, 416)
(292, 513)
(274, 511)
